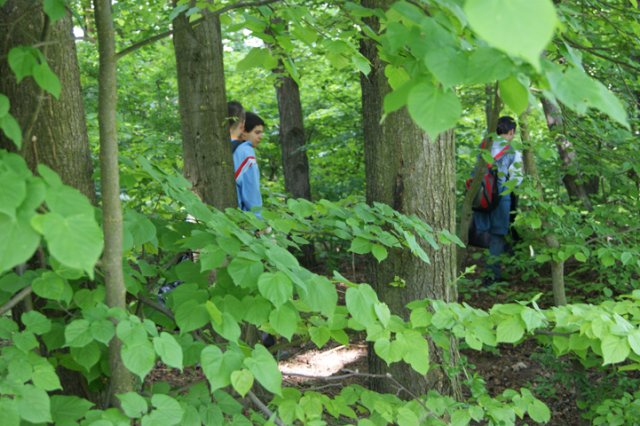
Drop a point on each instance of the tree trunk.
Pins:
(414, 175)
(557, 266)
(208, 164)
(121, 377)
(292, 142)
(54, 130)
(555, 123)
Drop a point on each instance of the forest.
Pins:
(134, 291)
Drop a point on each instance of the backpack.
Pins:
(488, 196)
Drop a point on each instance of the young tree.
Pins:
(53, 122)
(414, 174)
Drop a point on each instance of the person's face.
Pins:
(255, 135)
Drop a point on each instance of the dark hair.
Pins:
(505, 125)
(252, 120)
(235, 113)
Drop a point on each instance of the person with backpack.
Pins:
(245, 166)
(494, 215)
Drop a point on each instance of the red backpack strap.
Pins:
(499, 155)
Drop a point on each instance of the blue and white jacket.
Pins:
(247, 177)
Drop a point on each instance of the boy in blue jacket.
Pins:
(245, 166)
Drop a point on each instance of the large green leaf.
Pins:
(77, 333)
(67, 410)
(614, 349)
(139, 357)
(448, 65)
(433, 109)
(510, 330)
(55, 9)
(520, 28)
(44, 376)
(276, 287)
(75, 241)
(321, 296)
(360, 302)
(36, 323)
(22, 59)
(284, 320)
(245, 271)
(168, 412)
(265, 369)
(191, 316)
(86, 356)
(18, 243)
(13, 191)
(11, 129)
(242, 381)
(487, 65)
(34, 405)
(47, 79)
(168, 349)
(514, 94)
(52, 286)
(218, 367)
(133, 404)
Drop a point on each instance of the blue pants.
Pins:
(496, 223)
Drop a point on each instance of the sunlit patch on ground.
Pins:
(320, 363)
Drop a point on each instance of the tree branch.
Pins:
(15, 300)
(160, 36)
(265, 410)
(596, 52)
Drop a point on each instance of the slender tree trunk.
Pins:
(292, 141)
(555, 123)
(557, 266)
(121, 378)
(203, 110)
(54, 130)
(492, 111)
(414, 175)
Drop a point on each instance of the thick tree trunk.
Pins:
(292, 142)
(414, 175)
(555, 123)
(208, 164)
(54, 130)
(121, 378)
(557, 266)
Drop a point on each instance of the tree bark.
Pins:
(557, 266)
(208, 164)
(54, 130)
(292, 141)
(416, 176)
(555, 123)
(121, 377)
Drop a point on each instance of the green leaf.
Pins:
(44, 376)
(168, 412)
(518, 27)
(383, 313)
(51, 286)
(284, 320)
(103, 330)
(217, 366)
(265, 369)
(360, 246)
(277, 287)
(54, 9)
(77, 333)
(18, 243)
(242, 381)
(228, 328)
(514, 94)
(36, 323)
(75, 241)
(321, 296)
(9, 415)
(634, 341)
(191, 315)
(360, 301)
(34, 405)
(319, 335)
(67, 410)
(614, 349)
(281, 258)
(11, 129)
(47, 79)
(510, 330)
(417, 354)
(245, 272)
(168, 349)
(22, 60)
(86, 356)
(448, 65)
(133, 405)
(12, 193)
(539, 412)
(212, 257)
(433, 109)
(487, 65)
(379, 252)
(139, 357)
(257, 57)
